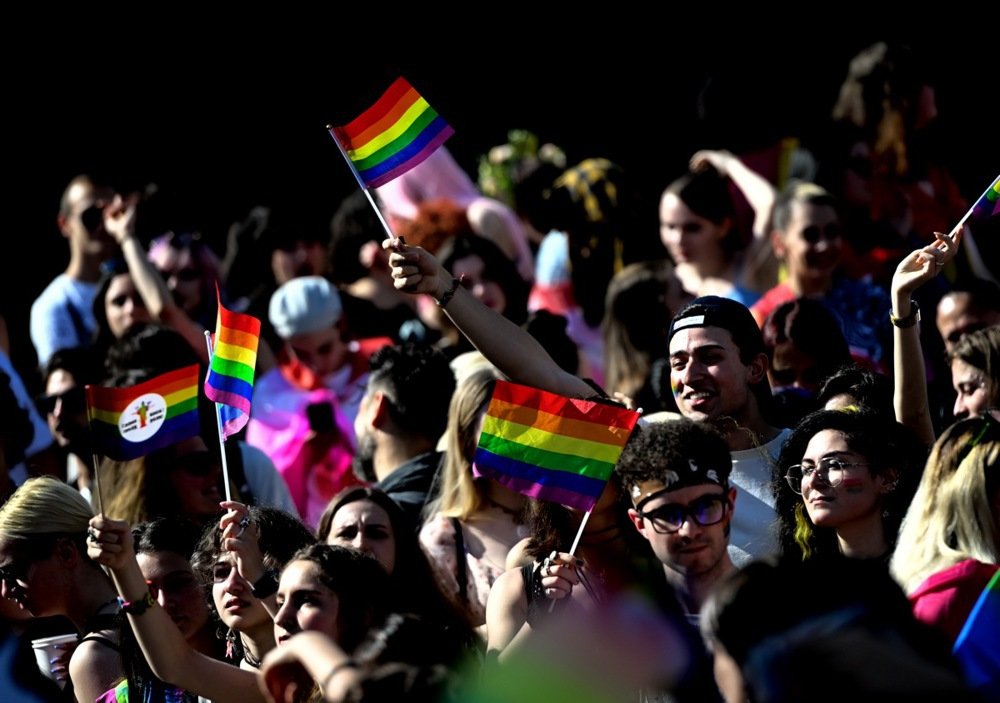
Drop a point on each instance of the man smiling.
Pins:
(718, 375)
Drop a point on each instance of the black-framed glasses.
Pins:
(704, 511)
(830, 469)
(74, 400)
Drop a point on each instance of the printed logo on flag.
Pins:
(143, 417)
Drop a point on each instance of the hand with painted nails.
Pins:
(559, 574)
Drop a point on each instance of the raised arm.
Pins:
(289, 671)
(761, 266)
(909, 374)
(167, 652)
(508, 347)
(120, 223)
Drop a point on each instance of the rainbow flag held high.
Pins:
(230, 373)
(551, 447)
(989, 202)
(127, 423)
(393, 135)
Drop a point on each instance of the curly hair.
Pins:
(657, 448)
(881, 440)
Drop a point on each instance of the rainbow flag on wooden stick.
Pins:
(551, 447)
(230, 373)
(127, 423)
(392, 136)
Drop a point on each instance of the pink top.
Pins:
(945, 599)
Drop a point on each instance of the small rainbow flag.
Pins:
(230, 373)
(127, 423)
(393, 135)
(551, 447)
(989, 202)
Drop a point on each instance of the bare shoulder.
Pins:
(95, 667)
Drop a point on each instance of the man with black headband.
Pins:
(677, 476)
(718, 375)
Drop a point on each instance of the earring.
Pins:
(231, 644)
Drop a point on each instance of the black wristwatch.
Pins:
(266, 585)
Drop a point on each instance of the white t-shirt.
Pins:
(754, 533)
(62, 316)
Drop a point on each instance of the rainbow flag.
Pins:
(230, 373)
(551, 447)
(393, 135)
(127, 423)
(977, 646)
(989, 202)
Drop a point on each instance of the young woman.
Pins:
(45, 568)
(842, 485)
(949, 544)
(368, 520)
(475, 522)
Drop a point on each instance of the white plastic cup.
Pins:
(46, 650)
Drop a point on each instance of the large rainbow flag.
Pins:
(393, 135)
(127, 423)
(229, 381)
(551, 447)
(977, 646)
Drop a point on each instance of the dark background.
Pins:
(227, 116)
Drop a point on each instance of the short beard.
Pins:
(363, 462)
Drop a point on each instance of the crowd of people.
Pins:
(812, 343)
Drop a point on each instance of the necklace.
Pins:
(248, 657)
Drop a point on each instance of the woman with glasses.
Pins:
(842, 485)
(949, 544)
(45, 568)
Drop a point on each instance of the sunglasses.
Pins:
(172, 583)
(705, 511)
(73, 401)
(14, 575)
(186, 274)
(813, 233)
(200, 464)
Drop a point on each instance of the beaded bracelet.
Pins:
(346, 664)
(136, 607)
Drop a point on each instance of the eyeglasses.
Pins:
(73, 401)
(172, 583)
(705, 511)
(831, 470)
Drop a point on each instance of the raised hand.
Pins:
(109, 543)
(239, 536)
(415, 270)
(921, 265)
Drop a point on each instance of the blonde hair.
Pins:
(461, 495)
(45, 505)
(950, 518)
(126, 492)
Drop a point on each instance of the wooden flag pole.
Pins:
(218, 424)
(93, 454)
